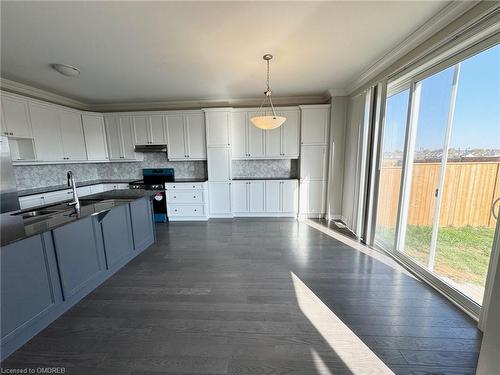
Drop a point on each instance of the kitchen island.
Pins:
(53, 256)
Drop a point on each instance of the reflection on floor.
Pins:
(255, 296)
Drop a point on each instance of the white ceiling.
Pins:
(157, 51)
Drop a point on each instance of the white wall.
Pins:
(352, 160)
(338, 118)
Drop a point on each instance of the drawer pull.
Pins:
(175, 196)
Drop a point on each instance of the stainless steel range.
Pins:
(155, 179)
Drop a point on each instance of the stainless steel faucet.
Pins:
(71, 182)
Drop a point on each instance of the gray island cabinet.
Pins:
(45, 274)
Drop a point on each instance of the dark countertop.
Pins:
(15, 227)
(188, 179)
(47, 189)
(263, 178)
(120, 194)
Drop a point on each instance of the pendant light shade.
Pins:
(267, 120)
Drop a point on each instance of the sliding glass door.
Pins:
(439, 174)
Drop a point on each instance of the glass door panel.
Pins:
(391, 165)
(472, 178)
(431, 103)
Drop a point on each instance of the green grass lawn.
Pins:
(462, 254)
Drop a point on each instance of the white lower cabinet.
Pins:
(30, 201)
(265, 198)
(53, 197)
(220, 199)
(186, 201)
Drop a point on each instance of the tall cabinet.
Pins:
(218, 133)
(313, 159)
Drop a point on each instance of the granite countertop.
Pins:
(47, 189)
(14, 227)
(189, 179)
(263, 178)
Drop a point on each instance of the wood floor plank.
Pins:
(221, 298)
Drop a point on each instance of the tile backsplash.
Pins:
(286, 168)
(34, 176)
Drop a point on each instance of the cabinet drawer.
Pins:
(184, 185)
(180, 210)
(185, 196)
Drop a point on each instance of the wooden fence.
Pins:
(469, 191)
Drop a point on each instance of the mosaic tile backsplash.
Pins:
(265, 168)
(34, 176)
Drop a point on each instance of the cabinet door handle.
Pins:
(175, 196)
(194, 196)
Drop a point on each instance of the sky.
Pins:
(476, 122)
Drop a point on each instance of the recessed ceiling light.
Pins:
(66, 70)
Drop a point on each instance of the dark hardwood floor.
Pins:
(255, 296)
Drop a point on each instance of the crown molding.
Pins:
(206, 103)
(33, 92)
(441, 19)
(337, 92)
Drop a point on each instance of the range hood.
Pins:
(150, 148)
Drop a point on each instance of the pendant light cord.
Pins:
(268, 93)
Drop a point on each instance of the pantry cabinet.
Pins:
(186, 136)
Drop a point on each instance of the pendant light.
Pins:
(267, 120)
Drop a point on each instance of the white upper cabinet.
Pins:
(73, 141)
(158, 131)
(195, 136)
(315, 124)
(46, 132)
(250, 142)
(127, 130)
(218, 127)
(176, 147)
(120, 137)
(141, 130)
(186, 136)
(149, 129)
(15, 117)
(113, 136)
(256, 141)
(95, 136)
